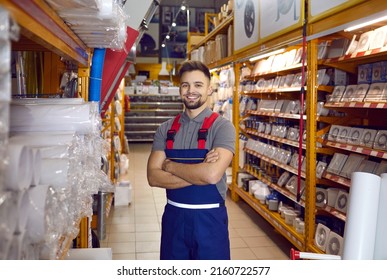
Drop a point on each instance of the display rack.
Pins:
(316, 146)
(222, 28)
(42, 26)
(147, 112)
(44, 30)
(357, 114)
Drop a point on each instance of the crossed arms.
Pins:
(164, 173)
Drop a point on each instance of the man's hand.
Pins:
(211, 156)
(165, 165)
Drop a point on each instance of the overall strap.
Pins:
(172, 132)
(202, 134)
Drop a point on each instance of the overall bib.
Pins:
(195, 222)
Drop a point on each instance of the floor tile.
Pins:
(147, 246)
(123, 247)
(121, 237)
(124, 256)
(148, 236)
(115, 228)
(242, 254)
(237, 242)
(147, 256)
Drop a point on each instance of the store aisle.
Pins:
(133, 231)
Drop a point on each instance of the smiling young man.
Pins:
(189, 157)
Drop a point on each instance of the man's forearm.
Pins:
(166, 180)
(196, 174)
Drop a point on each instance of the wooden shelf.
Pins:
(279, 189)
(220, 29)
(364, 114)
(273, 218)
(278, 115)
(328, 89)
(360, 105)
(334, 212)
(42, 25)
(375, 54)
(338, 179)
(274, 138)
(357, 149)
(279, 164)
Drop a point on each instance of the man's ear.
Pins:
(210, 91)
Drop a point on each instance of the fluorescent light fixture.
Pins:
(266, 55)
(357, 26)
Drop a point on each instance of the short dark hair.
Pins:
(192, 65)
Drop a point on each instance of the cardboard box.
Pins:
(364, 74)
(195, 39)
(123, 194)
(379, 72)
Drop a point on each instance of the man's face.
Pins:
(194, 89)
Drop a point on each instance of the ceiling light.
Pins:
(266, 55)
(183, 6)
(357, 26)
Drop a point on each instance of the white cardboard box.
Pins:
(123, 194)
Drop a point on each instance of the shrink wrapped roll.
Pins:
(362, 215)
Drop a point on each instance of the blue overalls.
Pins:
(195, 222)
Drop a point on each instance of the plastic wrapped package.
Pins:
(5, 57)
(39, 101)
(81, 175)
(108, 29)
(18, 163)
(91, 5)
(58, 151)
(5, 87)
(45, 145)
(2, 167)
(53, 221)
(78, 180)
(8, 222)
(21, 206)
(4, 122)
(53, 117)
(54, 172)
(4, 25)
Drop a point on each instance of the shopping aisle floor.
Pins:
(133, 231)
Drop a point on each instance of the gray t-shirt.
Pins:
(220, 135)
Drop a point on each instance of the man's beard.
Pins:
(193, 105)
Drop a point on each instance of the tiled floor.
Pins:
(133, 231)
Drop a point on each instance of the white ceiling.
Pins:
(136, 11)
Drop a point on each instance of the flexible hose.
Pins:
(96, 74)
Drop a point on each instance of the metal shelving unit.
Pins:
(147, 112)
(325, 26)
(43, 29)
